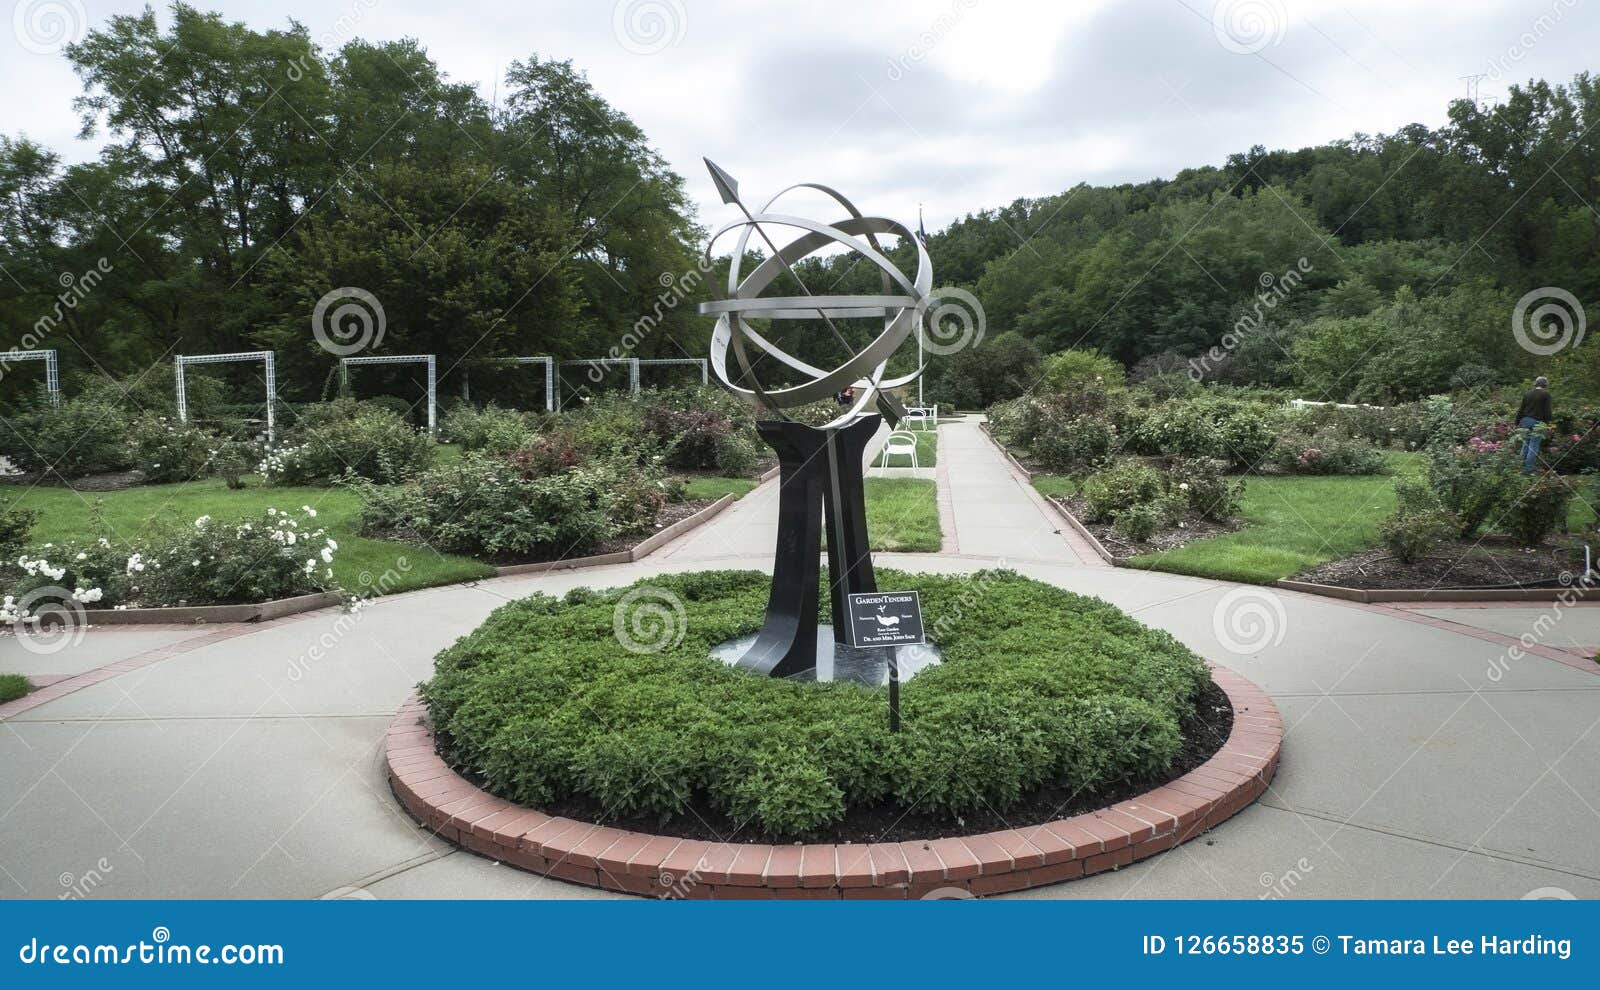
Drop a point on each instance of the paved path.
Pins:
(993, 511)
(1570, 628)
(1418, 761)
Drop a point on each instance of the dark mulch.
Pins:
(762, 467)
(672, 513)
(1203, 734)
(1194, 527)
(106, 481)
(1496, 561)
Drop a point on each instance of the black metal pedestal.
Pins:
(820, 479)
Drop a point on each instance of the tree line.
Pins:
(246, 174)
(1413, 251)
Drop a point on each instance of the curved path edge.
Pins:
(995, 862)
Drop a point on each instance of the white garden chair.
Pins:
(919, 417)
(901, 443)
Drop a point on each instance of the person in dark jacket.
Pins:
(1537, 409)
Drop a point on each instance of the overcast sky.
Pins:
(954, 104)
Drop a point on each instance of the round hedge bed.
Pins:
(1045, 702)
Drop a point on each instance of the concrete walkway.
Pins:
(1571, 628)
(994, 513)
(1418, 762)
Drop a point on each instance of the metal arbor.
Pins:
(433, 377)
(701, 363)
(549, 376)
(52, 370)
(265, 357)
(632, 364)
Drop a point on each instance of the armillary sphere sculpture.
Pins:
(821, 467)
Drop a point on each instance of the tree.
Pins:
(997, 368)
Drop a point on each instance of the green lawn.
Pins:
(903, 515)
(1055, 485)
(12, 687)
(714, 488)
(1290, 524)
(927, 451)
(66, 515)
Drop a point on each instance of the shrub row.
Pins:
(687, 429)
(1140, 500)
(507, 508)
(1082, 414)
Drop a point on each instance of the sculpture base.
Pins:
(841, 661)
(820, 486)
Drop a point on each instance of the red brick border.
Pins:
(51, 688)
(1015, 859)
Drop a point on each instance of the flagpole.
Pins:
(922, 235)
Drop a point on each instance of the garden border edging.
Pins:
(1015, 859)
(196, 614)
(1443, 596)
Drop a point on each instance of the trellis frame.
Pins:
(52, 369)
(183, 361)
(433, 377)
(549, 376)
(632, 364)
(705, 374)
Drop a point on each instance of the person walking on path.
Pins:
(1536, 410)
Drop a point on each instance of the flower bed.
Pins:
(1041, 692)
(1133, 507)
(278, 555)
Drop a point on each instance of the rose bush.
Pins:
(275, 555)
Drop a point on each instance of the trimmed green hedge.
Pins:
(1038, 687)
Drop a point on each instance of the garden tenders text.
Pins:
(1488, 945)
